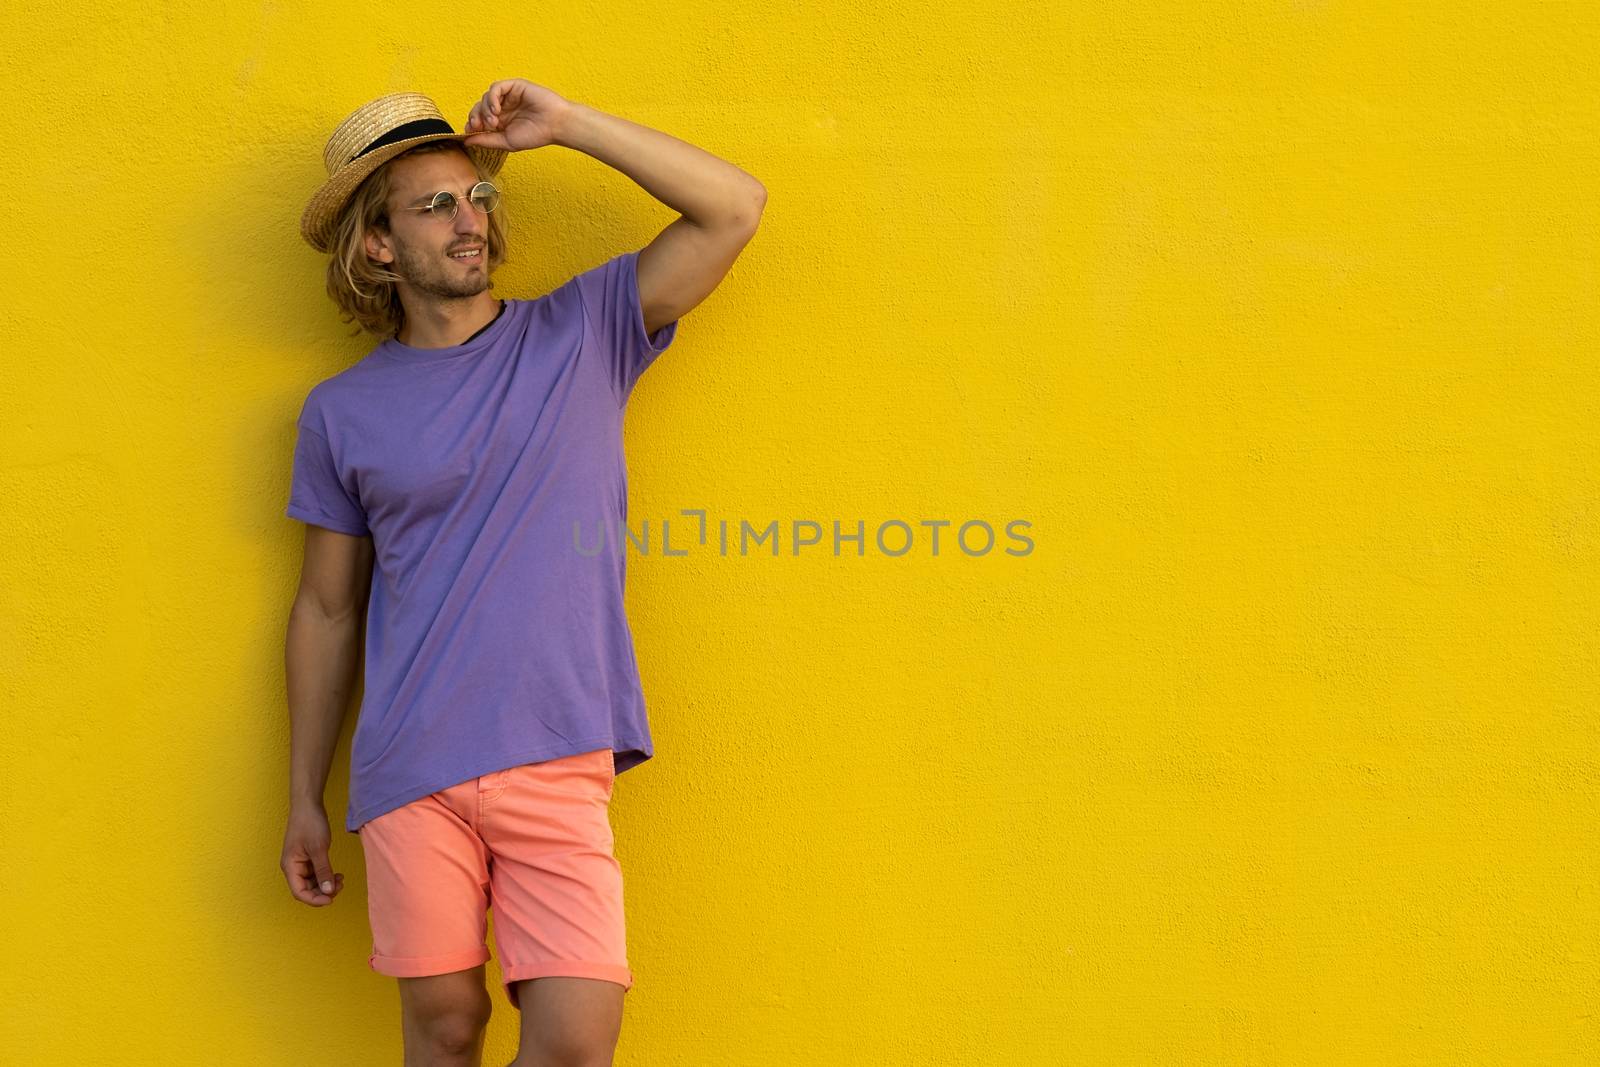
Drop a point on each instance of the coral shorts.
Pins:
(533, 841)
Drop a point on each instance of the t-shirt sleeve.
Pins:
(317, 494)
(615, 316)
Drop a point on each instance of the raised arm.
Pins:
(720, 204)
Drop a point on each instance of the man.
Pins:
(442, 478)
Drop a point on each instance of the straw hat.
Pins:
(372, 135)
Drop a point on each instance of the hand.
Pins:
(516, 114)
(305, 858)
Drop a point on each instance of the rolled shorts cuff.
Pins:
(609, 972)
(423, 966)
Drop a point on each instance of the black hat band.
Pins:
(415, 128)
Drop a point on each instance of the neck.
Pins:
(446, 323)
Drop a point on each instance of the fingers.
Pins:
(306, 891)
(502, 95)
(324, 874)
(307, 886)
(480, 118)
(489, 112)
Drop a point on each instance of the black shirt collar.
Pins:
(488, 324)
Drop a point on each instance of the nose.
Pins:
(469, 221)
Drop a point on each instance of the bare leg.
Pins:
(568, 1022)
(442, 1018)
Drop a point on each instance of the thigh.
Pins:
(555, 884)
(427, 888)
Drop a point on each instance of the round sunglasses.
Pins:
(484, 196)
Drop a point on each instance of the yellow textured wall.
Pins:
(1276, 320)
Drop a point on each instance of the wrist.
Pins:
(569, 130)
(305, 802)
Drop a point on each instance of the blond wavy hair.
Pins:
(365, 289)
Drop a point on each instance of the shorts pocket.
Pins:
(579, 774)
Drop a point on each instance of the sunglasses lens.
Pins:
(444, 206)
(485, 197)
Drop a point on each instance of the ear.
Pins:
(377, 245)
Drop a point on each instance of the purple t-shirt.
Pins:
(492, 640)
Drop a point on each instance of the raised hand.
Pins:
(516, 114)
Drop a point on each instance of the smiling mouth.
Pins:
(475, 256)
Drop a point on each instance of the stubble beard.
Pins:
(432, 273)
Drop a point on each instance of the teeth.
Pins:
(463, 255)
